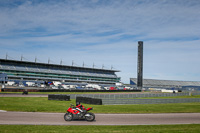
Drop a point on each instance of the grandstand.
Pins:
(153, 83)
(25, 70)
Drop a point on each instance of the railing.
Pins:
(112, 99)
(149, 101)
(135, 95)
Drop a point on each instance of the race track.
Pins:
(36, 118)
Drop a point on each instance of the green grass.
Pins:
(42, 104)
(187, 128)
(33, 104)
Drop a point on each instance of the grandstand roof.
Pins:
(164, 83)
(56, 65)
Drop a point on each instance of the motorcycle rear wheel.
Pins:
(91, 116)
(68, 116)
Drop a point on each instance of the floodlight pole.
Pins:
(140, 65)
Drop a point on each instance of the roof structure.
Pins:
(43, 71)
(56, 65)
(164, 83)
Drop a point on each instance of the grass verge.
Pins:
(42, 104)
(187, 128)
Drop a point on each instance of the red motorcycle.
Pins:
(79, 112)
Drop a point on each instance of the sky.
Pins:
(106, 33)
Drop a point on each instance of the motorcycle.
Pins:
(75, 113)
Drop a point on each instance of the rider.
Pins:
(79, 107)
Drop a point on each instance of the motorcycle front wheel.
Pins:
(89, 116)
(68, 116)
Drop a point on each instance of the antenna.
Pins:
(48, 60)
(6, 56)
(93, 65)
(102, 66)
(35, 59)
(111, 67)
(74, 64)
(85, 65)
(21, 57)
(61, 62)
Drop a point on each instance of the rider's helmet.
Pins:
(77, 103)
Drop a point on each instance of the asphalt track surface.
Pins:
(37, 118)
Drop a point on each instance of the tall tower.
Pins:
(140, 65)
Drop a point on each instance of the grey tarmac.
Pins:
(38, 118)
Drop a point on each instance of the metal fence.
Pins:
(130, 95)
(148, 101)
(195, 93)
(111, 99)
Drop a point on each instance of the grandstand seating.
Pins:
(47, 71)
(55, 71)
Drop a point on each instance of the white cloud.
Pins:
(106, 32)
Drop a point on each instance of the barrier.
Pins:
(149, 101)
(58, 97)
(128, 95)
(89, 100)
(25, 92)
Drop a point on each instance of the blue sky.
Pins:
(106, 32)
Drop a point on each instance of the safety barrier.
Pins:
(195, 93)
(88, 100)
(100, 99)
(128, 95)
(148, 101)
(58, 97)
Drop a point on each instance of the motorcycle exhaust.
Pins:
(87, 115)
